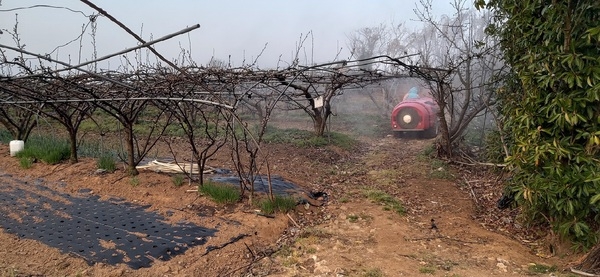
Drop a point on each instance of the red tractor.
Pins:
(415, 116)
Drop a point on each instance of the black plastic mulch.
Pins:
(111, 232)
(279, 185)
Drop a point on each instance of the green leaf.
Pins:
(595, 199)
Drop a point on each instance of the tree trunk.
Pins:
(201, 163)
(319, 126)
(73, 141)
(131, 170)
(444, 145)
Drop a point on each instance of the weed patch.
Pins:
(134, 181)
(26, 162)
(279, 204)
(440, 170)
(372, 272)
(366, 125)
(107, 163)
(427, 153)
(314, 232)
(389, 202)
(47, 149)
(284, 251)
(5, 136)
(427, 270)
(539, 268)
(352, 218)
(220, 193)
(178, 179)
(94, 149)
(307, 139)
(344, 199)
(103, 123)
(387, 177)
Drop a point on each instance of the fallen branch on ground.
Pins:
(583, 273)
(474, 163)
(472, 191)
(257, 212)
(293, 221)
(233, 240)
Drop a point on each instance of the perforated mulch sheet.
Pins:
(110, 231)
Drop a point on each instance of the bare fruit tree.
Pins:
(465, 59)
(314, 88)
(204, 125)
(456, 62)
(19, 119)
(141, 98)
(49, 96)
(388, 39)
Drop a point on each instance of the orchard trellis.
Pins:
(190, 96)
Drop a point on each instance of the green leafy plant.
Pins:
(344, 199)
(178, 179)
(494, 150)
(107, 163)
(279, 204)
(389, 202)
(372, 272)
(220, 193)
(352, 218)
(26, 162)
(440, 170)
(550, 106)
(540, 268)
(427, 270)
(134, 181)
(302, 138)
(5, 136)
(427, 152)
(47, 149)
(355, 217)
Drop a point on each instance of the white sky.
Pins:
(239, 29)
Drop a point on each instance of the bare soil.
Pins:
(349, 235)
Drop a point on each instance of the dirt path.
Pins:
(350, 236)
(363, 239)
